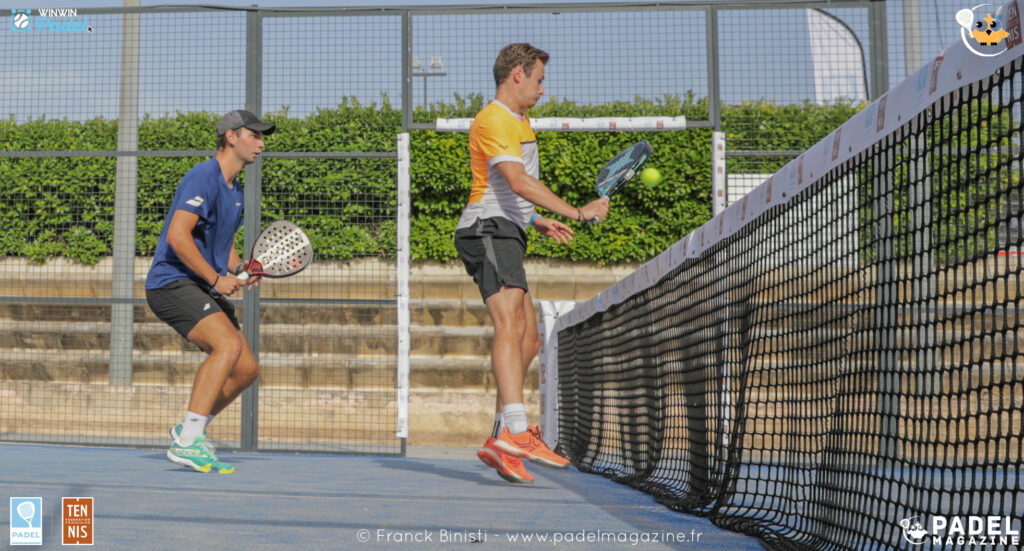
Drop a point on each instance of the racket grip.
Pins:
(594, 220)
(244, 276)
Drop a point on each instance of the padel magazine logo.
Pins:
(26, 521)
(973, 531)
(53, 20)
(987, 32)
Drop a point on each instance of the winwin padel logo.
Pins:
(53, 20)
(21, 20)
(26, 521)
(987, 32)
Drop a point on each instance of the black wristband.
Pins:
(215, 280)
(580, 211)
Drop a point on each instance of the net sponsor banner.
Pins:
(955, 70)
(572, 124)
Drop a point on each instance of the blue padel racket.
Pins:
(281, 250)
(614, 176)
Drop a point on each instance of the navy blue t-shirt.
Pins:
(203, 192)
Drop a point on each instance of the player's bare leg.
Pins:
(229, 365)
(244, 373)
(506, 310)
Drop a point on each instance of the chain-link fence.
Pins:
(106, 109)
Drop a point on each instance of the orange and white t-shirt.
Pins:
(498, 135)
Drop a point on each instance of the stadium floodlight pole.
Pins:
(123, 281)
(436, 70)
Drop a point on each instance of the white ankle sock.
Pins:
(191, 428)
(515, 417)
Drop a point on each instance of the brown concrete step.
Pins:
(57, 337)
(276, 370)
(426, 312)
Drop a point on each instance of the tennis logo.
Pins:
(26, 521)
(973, 531)
(76, 526)
(988, 33)
(21, 20)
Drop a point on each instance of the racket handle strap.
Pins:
(244, 276)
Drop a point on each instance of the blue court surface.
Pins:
(437, 498)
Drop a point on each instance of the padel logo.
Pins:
(52, 20)
(986, 32)
(77, 522)
(21, 20)
(913, 532)
(26, 521)
(972, 531)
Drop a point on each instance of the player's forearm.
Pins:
(186, 251)
(534, 191)
(234, 260)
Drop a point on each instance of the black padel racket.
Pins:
(614, 176)
(281, 250)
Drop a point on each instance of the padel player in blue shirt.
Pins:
(192, 273)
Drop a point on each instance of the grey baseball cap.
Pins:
(241, 118)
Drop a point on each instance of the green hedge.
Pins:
(64, 206)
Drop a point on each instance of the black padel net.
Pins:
(844, 369)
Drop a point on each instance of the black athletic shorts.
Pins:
(492, 249)
(184, 303)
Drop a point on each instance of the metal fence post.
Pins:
(714, 82)
(123, 281)
(406, 71)
(253, 197)
(879, 49)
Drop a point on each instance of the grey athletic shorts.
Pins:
(492, 249)
(184, 303)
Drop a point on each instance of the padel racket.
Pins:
(281, 250)
(27, 511)
(614, 176)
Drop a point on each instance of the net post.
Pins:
(125, 198)
(719, 191)
(719, 201)
(249, 435)
(402, 268)
(548, 373)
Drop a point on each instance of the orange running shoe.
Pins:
(509, 467)
(528, 445)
